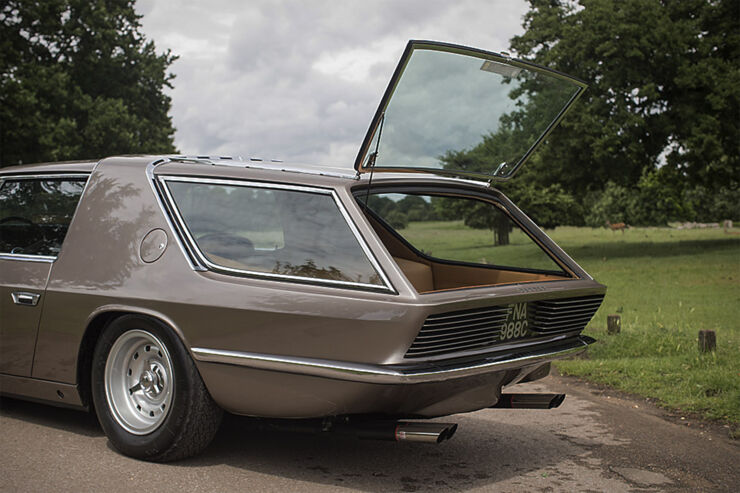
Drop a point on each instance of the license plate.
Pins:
(516, 325)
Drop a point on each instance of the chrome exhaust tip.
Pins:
(424, 432)
(529, 401)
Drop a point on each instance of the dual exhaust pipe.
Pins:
(439, 432)
(410, 431)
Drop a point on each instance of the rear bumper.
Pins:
(423, 372)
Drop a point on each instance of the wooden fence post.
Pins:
(613, 324)
(707, 341)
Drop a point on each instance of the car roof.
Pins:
(237, 168)
(280, 171)
(43, 168)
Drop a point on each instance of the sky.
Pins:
(299, 80)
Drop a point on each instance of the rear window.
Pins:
(35, 214)
(460, 229)
(291, 232)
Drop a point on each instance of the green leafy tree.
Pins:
(612, 205)
(663, 88)
(656, 200)
(660, 118)
(706, 205)
(78, 80)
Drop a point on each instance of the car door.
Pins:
(35, 212)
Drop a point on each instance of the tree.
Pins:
(663, 88)
(78, 80)
(660, 118)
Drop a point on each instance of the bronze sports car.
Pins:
(161, 290)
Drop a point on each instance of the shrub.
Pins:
(611, 205)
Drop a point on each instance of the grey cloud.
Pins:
(279, 79)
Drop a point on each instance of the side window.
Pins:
(275, 231)
(35, 214)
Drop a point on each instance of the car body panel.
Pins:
(306, 396)
(100, 270)
(19, 322)
(65, 168)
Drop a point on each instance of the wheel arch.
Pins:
(96, 323)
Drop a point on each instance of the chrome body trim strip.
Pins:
(193, 245)
(389, 374)
(27, 258)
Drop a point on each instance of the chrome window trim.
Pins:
(201, 257)
(244, 183)
(175, 231)
(61, 174)
(363, 244)
(43, 258)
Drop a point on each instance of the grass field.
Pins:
(666, 284)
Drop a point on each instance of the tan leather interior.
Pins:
(439, 276)
(426, 275)
(448, 276)
(419, 274)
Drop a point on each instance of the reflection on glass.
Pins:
(35, 214)
(461, 112)
(273, 231)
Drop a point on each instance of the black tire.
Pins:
(186, 417)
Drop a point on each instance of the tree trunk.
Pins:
(501, 233)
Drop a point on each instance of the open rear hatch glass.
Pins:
(461, 111)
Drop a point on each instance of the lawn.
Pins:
(666, 284)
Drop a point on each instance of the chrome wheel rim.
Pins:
(139, 381)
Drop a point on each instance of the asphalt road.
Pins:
(596, 441)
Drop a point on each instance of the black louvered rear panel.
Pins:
(458, 331)
(480, 328)
(564, 315)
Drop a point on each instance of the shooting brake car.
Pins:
(163, 290)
